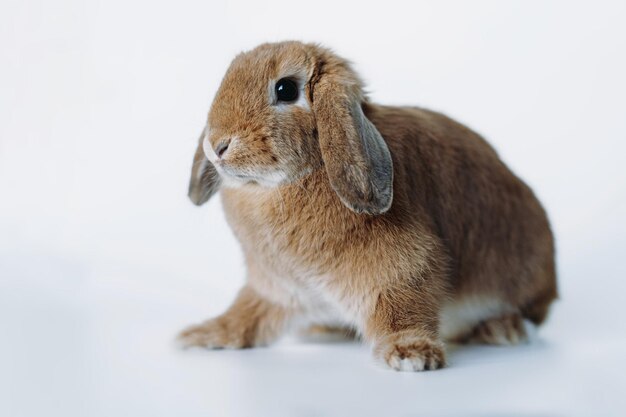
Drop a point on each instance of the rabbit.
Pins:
(396, 223)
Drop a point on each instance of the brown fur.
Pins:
(327, 237)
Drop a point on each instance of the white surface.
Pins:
(103, 260)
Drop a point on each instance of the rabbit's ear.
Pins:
(356, 157)
(204, 180)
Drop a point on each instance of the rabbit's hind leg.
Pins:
(504, 330)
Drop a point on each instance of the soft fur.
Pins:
(390, 221)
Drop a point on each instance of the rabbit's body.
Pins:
(464, 252)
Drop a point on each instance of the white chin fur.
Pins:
(272, 179)
(269, 180)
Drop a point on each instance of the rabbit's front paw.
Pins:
(213, 334)
(411, 354)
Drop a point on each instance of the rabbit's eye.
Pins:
(286, 90)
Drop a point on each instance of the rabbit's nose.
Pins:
(222, 147)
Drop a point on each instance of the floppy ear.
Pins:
(204, 180)
(357, 160)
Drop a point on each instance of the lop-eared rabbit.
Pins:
(396, 223)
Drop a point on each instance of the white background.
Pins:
(103, 259)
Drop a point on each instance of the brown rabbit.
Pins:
(396, 222)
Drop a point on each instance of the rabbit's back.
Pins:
(495, 232)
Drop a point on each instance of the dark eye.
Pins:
(286, 90)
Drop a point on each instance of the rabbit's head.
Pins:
(287, 109)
